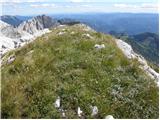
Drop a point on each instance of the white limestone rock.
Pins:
(62, 111)
(79, 112)
(12, 38)
(57, 103)
(11, 59)
(109, 117)
(61, 33)
(129, 53)
(97, 46)
(94, 110)
(87, 35)
(72, 33)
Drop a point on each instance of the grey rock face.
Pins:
(38, 23)
(8, 30)
(12, 38)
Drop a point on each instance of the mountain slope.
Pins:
(64, 75)
(146, 44)
(12, 20)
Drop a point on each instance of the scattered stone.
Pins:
(109, 117)
(57, 102)
(63, 29)
(79, 112)
(11, 59)
(94, 110)
(61, 33)
(60, 26)
(62, 112)
(72, 32)
(97, 46)
(87, 35)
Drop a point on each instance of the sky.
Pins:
(35, 7)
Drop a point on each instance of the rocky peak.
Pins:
(37, 23)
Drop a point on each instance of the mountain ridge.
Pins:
(40, 25)
(119, 22)
(71, 71)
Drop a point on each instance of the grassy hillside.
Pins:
(69, 66)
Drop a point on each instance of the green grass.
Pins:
(70, 67)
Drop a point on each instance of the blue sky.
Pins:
(34, 7)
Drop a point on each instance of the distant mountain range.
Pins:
(14, 20)
(131, 23)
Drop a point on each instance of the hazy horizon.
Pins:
(90, 13)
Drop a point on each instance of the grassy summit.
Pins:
(65, 63)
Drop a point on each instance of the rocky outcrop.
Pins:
(37, 23)
(8, 30)
(129, 53)
(12, 37)
(7, 33)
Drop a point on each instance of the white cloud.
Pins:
(43, 5)
(76, 1)
(86, 5)
(67, 6)
(21, 1)
(34, 5)
(125, 6)
(149, 5)
(79, 1)
(120, 5)
(142, 6)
